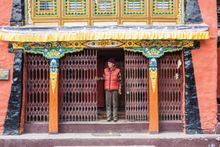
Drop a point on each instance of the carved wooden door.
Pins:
(170, 87)
(136, 86)
(78, 87)
(37, 91)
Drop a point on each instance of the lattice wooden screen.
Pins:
(78, 87)
(136, 86)
(37, 92)
(170, 87)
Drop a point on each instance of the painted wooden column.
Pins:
(153, 97)
(53, 100)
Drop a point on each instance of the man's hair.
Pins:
(112, 60)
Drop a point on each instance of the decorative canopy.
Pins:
(159, 32)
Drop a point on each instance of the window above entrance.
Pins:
(103, 12)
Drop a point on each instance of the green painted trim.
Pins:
(53, 53)
(72, 12)
(54, 50)
(170, 10)
(45, 13)
(98, 12)
(153, 52)
(141, 10)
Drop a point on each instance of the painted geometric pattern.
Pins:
(45, 7)
(105, 7)
(75, 7)
(134, 7)
(163, 7)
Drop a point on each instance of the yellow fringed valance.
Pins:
(102, 35)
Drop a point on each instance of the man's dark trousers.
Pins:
(111, 98)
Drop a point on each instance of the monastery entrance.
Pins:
(81, 97)
(103, 56)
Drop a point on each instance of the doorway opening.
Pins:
(102, 57)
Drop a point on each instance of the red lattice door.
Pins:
(136, 86)
(37, 91)
(170, 88)
(78, 87)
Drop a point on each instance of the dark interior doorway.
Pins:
(103, 55)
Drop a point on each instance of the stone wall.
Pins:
(205, 68)
(6, 61)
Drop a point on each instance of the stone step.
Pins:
(103, 126)
(111, 140)
(113, 146)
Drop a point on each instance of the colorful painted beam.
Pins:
(73, 46)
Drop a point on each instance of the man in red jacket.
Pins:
(112, 78)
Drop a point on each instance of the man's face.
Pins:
(110, 65)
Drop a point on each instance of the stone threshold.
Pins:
(30, 136)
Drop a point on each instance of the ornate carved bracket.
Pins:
(50, 50)
(156, 49)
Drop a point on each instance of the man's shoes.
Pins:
(109, 119)
(115, 120)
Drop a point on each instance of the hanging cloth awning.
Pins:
(159, 32)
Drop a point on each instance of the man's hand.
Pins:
(119, 91)
(96, 78)
(99, 78)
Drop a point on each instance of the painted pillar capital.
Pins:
(153, 72)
